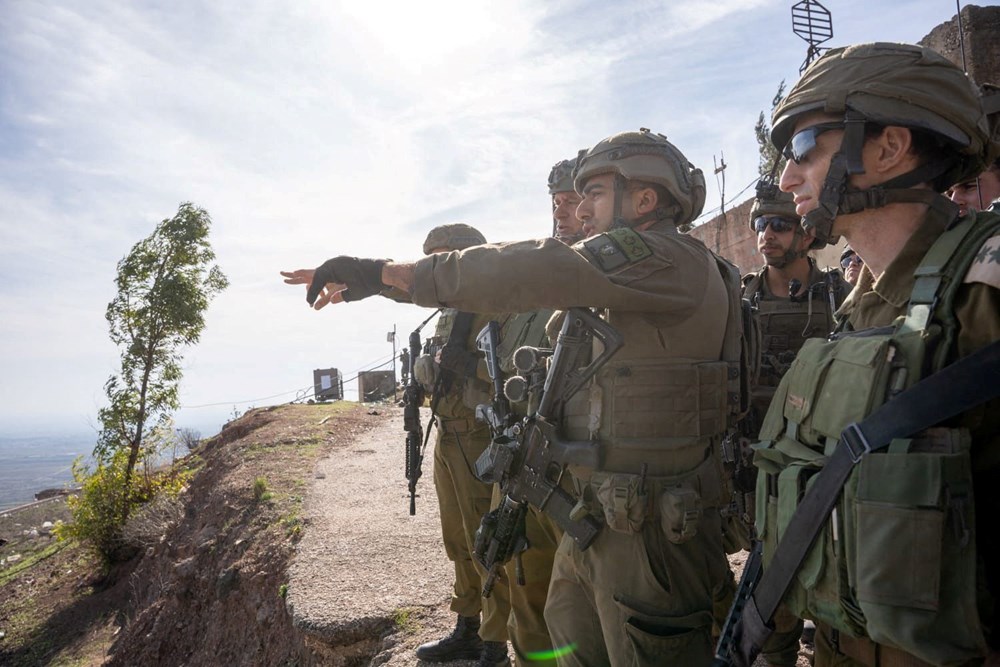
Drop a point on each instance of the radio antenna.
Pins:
(813, 23)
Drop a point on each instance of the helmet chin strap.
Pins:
(838, 198)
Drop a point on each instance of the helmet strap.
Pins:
(845, 162)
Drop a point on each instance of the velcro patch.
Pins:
(617, 248)
(985, 267)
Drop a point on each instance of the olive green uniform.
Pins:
(526, 627)
(462, 498)
(888, 567)
(642, 593)
(784, 325)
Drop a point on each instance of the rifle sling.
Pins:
(956, 388)
(458, 337)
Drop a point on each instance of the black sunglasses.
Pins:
(851, 259)
(804, 141)
(778, 225)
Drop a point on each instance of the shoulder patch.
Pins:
(617, 248)
(985, 268)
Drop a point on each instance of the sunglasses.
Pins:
(778, 225)
(804, 141)
(851, 259)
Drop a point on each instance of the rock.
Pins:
(13, 558)
(185, 568)
(227, 582)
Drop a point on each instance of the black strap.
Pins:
(957, 388)
(457, 344)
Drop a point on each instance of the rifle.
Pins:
(527, 458)
(726, 649)
(413, 396)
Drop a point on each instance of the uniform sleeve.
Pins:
(531, 275)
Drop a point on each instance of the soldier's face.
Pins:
(976, 194)
(804, 178)
(597, 208)
(568, 226)
(778, 247)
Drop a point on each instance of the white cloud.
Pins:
(311, 129)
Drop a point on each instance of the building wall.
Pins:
(730, 236)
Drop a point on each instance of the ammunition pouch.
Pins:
(627, 501)
(426, 372)
(896, 561)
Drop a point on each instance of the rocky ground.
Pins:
(293, 545)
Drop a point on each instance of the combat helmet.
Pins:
(649, 157)
(453, 236)
(561, 176)
(887, 84)
(780, 204)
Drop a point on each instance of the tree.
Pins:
(769, 155)
(165, 284)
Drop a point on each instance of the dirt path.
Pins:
(368, 579)
(369, 582)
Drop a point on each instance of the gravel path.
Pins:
(366, 571)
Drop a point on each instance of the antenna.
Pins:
(813, 23)
(720, 171)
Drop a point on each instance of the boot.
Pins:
(494, 655)
(462, 644)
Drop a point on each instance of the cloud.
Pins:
(314, 128)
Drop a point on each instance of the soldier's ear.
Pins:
(646, 200)
(807, 240)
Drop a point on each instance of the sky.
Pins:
(320, 128)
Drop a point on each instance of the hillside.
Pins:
(210, 586)
(292, 545)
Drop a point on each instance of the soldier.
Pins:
(527, 629)
(455, 390)
(983, 189)
(642, 593)
(793, 299)
(904, 570)
(852, 265)
(977, 192)
(565, 225)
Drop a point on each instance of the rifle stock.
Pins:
(727, 651)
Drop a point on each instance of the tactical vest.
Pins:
(896, 561)
(459, 399)
(785, 324)
(660, 419)
(520, 330)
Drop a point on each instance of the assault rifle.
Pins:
(527, 458)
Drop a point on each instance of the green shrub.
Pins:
(98, 520)
(260, 492)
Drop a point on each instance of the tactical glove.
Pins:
(363, 277)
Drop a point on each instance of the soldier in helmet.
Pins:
(983, 189)
(450, 376)
(851, 264)
(793, 299)
(642, 593)
(565, 225)
(903, 570)
(528, 632)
